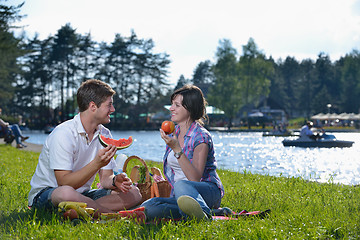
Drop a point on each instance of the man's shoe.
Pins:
(191, 208)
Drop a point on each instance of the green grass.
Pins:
(300, 210)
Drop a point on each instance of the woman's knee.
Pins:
(182, 187)
(181, 184)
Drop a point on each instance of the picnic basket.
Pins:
(148, 187)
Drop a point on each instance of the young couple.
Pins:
(72, 156)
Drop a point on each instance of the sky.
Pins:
(190, 30)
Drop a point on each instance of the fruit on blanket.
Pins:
(120, 144)
(168, 127)
(71, 214)
(137, 214)
(90, 211)
(68, 203)
(79, 207)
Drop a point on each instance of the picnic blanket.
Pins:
(79, 212)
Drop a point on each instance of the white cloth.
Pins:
(175, 166)
(306, 131)
(66, 148)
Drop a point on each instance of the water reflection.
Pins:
(257, 154)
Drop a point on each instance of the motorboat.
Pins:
(326, 141)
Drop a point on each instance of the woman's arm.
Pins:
(195, 169)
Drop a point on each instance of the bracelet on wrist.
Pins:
(178, 154)
(113, 181)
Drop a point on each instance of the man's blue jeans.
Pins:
(207, 194)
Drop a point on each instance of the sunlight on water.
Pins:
(265, 155)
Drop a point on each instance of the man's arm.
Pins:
(79, 178)
(121, 181)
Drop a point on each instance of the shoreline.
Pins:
(225, 129)
(31, 147)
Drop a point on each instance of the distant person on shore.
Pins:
(189, 162)
(72, 155)
(307, 132)
(15, 130)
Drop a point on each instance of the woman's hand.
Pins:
(172, 142)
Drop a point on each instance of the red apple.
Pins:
(71, 214)
(168, 127)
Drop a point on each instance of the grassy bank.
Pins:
(300, 210)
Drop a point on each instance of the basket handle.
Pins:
(147, 175)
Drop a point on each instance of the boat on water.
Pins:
(326, 141)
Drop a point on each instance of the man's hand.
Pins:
(122, 182)
(104, 155)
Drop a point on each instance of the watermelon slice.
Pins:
(120, 144)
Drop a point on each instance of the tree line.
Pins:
(39, 78)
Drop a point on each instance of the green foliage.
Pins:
(350, 80)
(239, 83)
(299, 210)
(224, 94)
(57, 66)
(39, 78)
(9, 52)
(142, 172)
(255, 71)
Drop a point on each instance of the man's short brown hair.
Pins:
(93, 90)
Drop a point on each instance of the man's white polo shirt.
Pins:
(66, 148)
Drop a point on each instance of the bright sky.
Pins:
(190, 30)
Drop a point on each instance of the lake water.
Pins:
(250, 151)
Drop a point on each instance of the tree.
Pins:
(148, 75)
(181, 82)
(326, 84)
(203, 76)
(224, 93)
(86, 57)
(255, 72)
(10, 51)
(277, 95)
(289, 71)
(136, 72)
(34, 89)
(306, 85)
(350, 80)
(64, 64)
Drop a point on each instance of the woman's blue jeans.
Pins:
(207, 194)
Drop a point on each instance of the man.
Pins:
(307, 132)
(72, 156)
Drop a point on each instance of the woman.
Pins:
(189, 162)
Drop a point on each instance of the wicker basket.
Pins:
(145, 188)
(149, 188)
